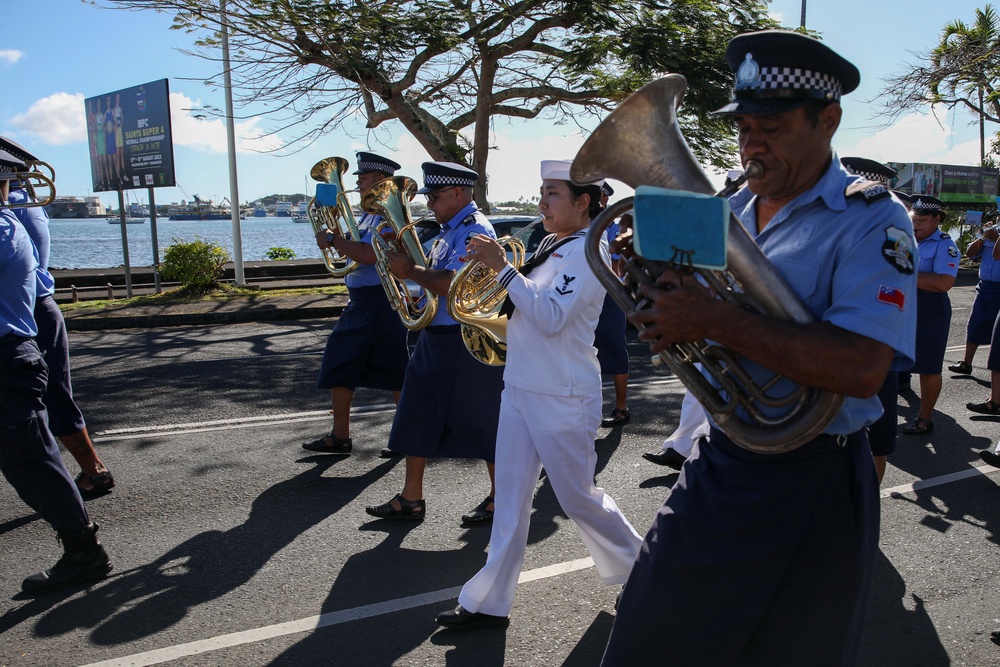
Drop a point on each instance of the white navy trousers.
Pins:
(556, 432)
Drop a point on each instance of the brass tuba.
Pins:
(641, 144)
(390, 198)
(475, 298)
(339, 217)
(33, 181)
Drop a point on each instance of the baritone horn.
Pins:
(475, 298)
(640, 143)
(34, 182)
(390, 198)
(339, 218)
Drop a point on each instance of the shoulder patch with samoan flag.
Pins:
(891, 295)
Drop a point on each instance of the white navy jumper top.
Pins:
(550, 336)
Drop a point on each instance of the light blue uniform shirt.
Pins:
(989, 268)
(37, 225)
(366, 275)
(449, 246)
(18, 262)
(938, 254)
(851, 263)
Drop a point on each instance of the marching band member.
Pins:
(551, 403)
(936, 272)
(767, 559)
(450, 402)
(66, 420)
(367, 347)
(29, 455)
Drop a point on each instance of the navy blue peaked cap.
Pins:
(16, 150)
(869, 169)
(606, 189)
(439, 175)
(368, 162)
(780, 70)
(903, 197)
(9, 166)
(926, 204)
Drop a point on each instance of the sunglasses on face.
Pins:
(432, 196)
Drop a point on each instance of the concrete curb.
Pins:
(100, 322)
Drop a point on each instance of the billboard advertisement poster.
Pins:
(951, 184)
(129, 135)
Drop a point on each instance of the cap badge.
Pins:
(748, 74)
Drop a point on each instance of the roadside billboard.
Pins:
(951, 184)
(128, 132)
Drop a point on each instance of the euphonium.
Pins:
(641, 144)
(390, 198)
(475, 298)
(339, 217)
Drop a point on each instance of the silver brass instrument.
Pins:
(390, 198)
(640, 144)
(474, 299)
(339, 218)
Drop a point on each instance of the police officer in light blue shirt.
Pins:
(979, 330)
(937, 268)
(766, 559)
(450, 405)
(367, 347)
(29, 455)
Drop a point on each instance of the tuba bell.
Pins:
(390, 198)
(339, 217)
(475, 298)
(640, 143)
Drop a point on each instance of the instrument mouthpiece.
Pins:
(754, 169)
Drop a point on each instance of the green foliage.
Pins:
(196, 265)
(278, 254)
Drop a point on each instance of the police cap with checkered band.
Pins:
(439, 175)
(779, 70)
(10, 166)
(18, 151)
(869, 169)
(369, 162)
(924, 204)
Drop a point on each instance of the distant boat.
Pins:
(115, 220)
(300, 218)
(200, 209)
(284, 209)
(260, 212)
(75, 207)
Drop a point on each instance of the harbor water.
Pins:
(92, 243)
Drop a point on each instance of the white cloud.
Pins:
(57, 119)
(10, 56)
(209, 134)
(914, 138)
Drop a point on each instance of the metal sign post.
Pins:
(156, 247)
(121, 220)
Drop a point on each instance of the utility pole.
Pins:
(802, 22)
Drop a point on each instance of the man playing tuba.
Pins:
(766, 559)
(367, 347)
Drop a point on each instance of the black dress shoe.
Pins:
(990, 457)
(390, 454)
(460, 618)
(669, 457)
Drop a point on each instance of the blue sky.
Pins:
(70, 50)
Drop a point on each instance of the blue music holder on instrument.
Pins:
(326, 194)
(682, 227)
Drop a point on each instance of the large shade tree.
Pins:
(445, 69)
(962, 70)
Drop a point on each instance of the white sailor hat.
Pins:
(9, 166)
(558, 170)
(869, 169)
(16, 150)
(926, 204)
(446, 174)
(780, 70)
(369, 162)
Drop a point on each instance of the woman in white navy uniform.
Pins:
(550, 408)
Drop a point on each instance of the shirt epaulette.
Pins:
(872, 191)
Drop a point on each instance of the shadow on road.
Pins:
(149, 599)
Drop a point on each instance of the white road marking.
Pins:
(309, 623)
(975, 471)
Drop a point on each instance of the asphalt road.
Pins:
(233, 546)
